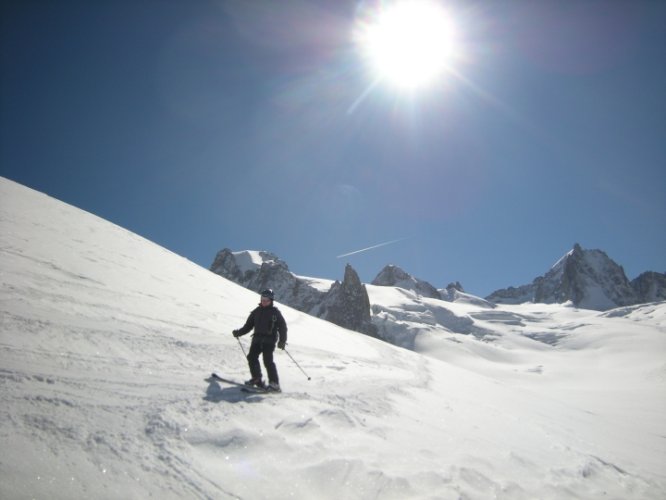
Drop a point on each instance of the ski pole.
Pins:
(241, 346)
(296, 363)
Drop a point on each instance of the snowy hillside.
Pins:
(107, 338)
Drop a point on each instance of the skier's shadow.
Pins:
(216, 394)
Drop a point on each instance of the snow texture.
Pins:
(106, 339)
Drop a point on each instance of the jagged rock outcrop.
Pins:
(259, 270)
(394, 276)
(650, 286)
(347, 304)
(588, 278)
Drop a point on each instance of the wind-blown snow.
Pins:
(106, 340)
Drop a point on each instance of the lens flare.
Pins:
(409, 44)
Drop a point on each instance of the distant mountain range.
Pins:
(586, 279)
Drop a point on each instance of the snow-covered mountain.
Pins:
(343, 303)
(588, 279)
(392, 275)
(106, 340)
(258, 270)
(323, 298)
(584, 278)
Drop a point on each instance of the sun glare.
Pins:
(408, 44)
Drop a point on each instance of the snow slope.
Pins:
(106, 340)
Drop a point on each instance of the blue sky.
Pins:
(203, 125)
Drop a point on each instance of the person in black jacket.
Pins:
(269, 328)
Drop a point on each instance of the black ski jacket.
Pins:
(267, 322)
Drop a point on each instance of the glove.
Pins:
(282, 345)
(236, 333)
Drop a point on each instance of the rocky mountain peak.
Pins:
(258, 270)
(588, 278)
(650, 286)
(394, 276)
(347, 304)
(242, 267)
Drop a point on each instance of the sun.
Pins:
(408, 44)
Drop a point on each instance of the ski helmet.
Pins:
(268, 293)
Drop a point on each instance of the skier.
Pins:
(269, 328)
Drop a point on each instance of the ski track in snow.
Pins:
(107, 339)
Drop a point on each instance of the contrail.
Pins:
(370, 248)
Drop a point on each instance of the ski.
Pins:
(244, 387)
(254, 390)
(215, 376)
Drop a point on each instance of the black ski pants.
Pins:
(266, 347)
